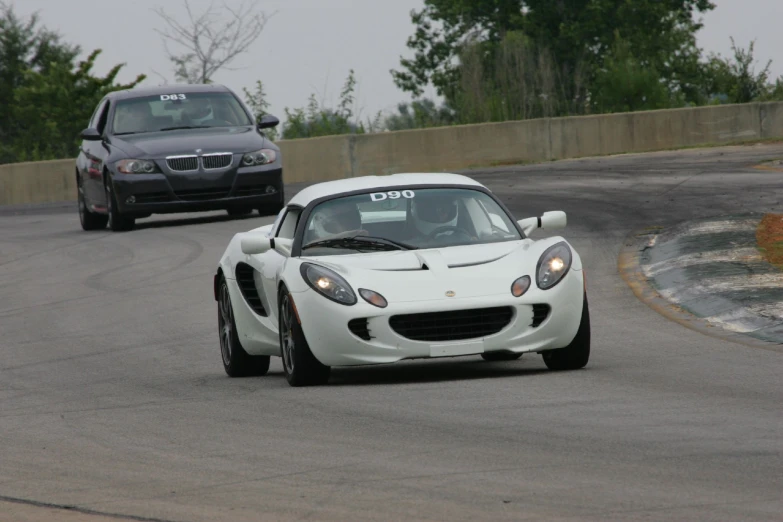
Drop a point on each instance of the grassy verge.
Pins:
(769, 235)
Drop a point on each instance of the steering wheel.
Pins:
(446, 228)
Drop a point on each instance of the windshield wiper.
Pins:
(185, 127)
(354, 242)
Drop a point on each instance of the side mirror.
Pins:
(254, 244)
(554, 219)
(268, 121)
(91, 134)
(548, 220)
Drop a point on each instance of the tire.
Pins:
(575, 355)
(300, 366)
(89, 220)
(500, 356)
(117, 221)
(236, 361)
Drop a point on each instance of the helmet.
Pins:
(434, 210)
(199, 110)
(333, 218)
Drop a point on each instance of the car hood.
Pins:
(420, 275)
(157, 145)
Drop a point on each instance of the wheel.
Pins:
(576, 354)
(500, 356)
(89, 220)
(117, 222)
(299, 364)
(236, 361)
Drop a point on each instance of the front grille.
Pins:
(216, 161)
(247, 286)
(540, 313)
(182, 163)
(203, 194)
(360, 328)
(452, 326)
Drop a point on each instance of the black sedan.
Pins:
(181, 148)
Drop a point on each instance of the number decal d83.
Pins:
(165, 97)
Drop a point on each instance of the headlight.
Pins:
(136, 166)
(374, 298)
(553, 266)
(327, 283)
(520, 286)
(259, 157)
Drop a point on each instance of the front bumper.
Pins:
(326, 326)
(153, 193)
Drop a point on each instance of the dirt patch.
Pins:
(769, 235)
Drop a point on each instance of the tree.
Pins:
(418, 115)
(24, 46)
(624, 84)
(317, 120)
(577, 34)
(53, 106)
(210, 44)
(256, 100)
(45, 97)
(737, 78)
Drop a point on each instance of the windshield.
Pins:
(406, 219)
(167, 111)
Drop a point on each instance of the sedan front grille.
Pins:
(453, 325)
(182, 163)
(217, 161)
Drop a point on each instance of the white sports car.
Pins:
(378, 269)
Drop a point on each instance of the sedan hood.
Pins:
(157, 145)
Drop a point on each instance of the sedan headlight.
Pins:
(259, 157)
(553, 266)
(327, 283)
(136, 166)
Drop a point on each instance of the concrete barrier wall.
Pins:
(461, 147)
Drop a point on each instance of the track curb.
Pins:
(630, 269)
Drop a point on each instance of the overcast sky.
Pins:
(309, 46)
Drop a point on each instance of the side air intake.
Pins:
(247, 286)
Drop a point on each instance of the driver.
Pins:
(198, 111)
(433, 211)
(338, 218)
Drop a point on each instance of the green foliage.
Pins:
(736, 80)
(576, 35)
(316, 120)
(258, 103)
(45, 98)
(514, 79)
(624, 84)
(419, 114)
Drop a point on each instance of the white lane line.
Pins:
(716, 227)
(706, 287)
(744, 320)
(735, 255)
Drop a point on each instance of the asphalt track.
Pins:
(113, 400)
